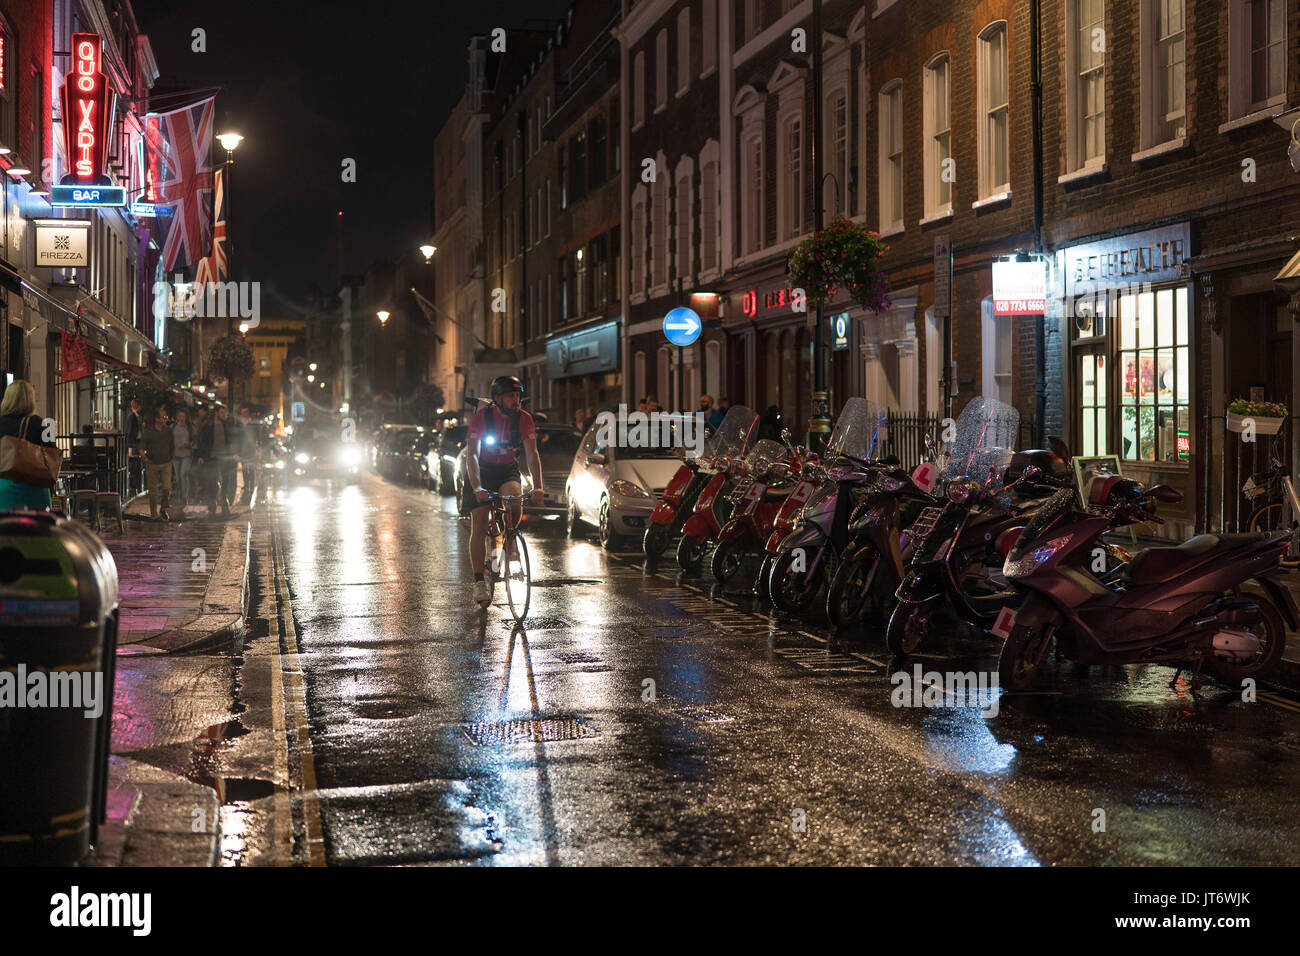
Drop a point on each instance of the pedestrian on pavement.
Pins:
(247, 445)
(183, 437)
(580, 419)
(771, 425)
(158, 449)
(134, 433)
(652, 404)
(720, 412)
(18, 418)
(216, 453)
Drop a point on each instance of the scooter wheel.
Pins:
(761, 583)
(847, 596)
(690, 554)
(728, 559)
(907, 625)
(794, 591)
(1231, 674)
(1022, 653)
(655, 540)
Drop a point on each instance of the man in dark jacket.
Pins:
(217, 454)
(134, 434)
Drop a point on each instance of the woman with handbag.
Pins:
(22, 469)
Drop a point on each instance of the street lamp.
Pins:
(383, 316)
(428, 251)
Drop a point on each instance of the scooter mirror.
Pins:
(1165, 493)
(787, 436)
(1031, 474)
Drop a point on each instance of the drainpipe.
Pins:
(1036, 95)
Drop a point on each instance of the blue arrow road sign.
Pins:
(682, 326)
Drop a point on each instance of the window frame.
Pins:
(638, 90)
(661, 70)
(1241, 101)
(934, 209)
(791, 181)
(987, 189)
(1150, 87)
(887, 176)
(683, 51)
(752, 225)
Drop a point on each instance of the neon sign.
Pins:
(85, 104)
(749, 303)
(2, 62)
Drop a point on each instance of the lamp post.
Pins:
(229, 141)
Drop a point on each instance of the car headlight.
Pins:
(627, 489)
(302, 458)
(279, 465)
(349, 455)
(1027, 564)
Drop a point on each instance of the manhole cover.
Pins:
(545, 730)
(536, 623)
(705, 715)
(576, 657)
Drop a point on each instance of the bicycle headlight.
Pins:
(1030, 562)
(627, 489)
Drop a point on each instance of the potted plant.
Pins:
(1267, 416)
(843, 255)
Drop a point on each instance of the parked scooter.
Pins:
(807, 556)
(807, 469)
(959, 548)
(759, 496)
(712, 509)
(733, 436)
(1181, 606)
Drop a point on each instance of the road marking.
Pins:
(296, 707)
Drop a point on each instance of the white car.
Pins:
(615, 488)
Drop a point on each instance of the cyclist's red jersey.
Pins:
(500, 445)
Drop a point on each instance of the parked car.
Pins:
(392, 448)
(319, 453)
(556, 444)
(616, 488)
(440, 462)
(409, 463)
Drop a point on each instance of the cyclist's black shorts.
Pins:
(492, 477)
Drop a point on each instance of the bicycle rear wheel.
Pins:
(517, 575)
(1268, 518)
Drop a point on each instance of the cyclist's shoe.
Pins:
(481, 593)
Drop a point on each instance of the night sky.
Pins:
(309, 84)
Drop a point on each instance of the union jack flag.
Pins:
(185, 183)
(214, 268)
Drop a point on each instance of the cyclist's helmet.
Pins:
(506, 383)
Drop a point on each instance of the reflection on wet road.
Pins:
(635, 720)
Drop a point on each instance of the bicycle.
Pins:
(507, 557)
(1279, 509)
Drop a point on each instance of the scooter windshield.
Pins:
(985, 439)
(858, 431)
(735, 433)
(765, 449)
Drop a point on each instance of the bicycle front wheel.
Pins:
(517, 575)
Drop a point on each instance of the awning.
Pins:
(1289, 278)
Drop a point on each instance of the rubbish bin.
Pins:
(58, 637)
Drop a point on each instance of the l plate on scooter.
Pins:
(924, 476)
(1005, 623)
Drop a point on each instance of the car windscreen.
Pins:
(557, 442)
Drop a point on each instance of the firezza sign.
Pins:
(86, 106)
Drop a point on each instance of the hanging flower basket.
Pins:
(1269, 417)
(231, 359)
(844, 255)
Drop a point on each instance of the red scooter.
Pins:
(758, 501)
(711, 510)
(732, 437)
(807, 469)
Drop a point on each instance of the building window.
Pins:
(638, 89)
(661, 70)
(1257, 37)
(597, 153)
(637, 241)
(599, 272)
(683, 51)
(580, 284)
(529, 222)
(891, 156)
(752, 207)
(709, 208)
(9, 93)
(753, 19)
(791, 199)
(566, 285)
(615, 271)
(709, 37)
(577, 167)
(1155, 371)
(1087, 71)
(684, 223)
(548, 207)
(938, 143)
(658, 277)
(564, 176)
(997, 332)
(994, 170)
(1164, 81)
(836, 149)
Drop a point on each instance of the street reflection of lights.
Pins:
(304, 511)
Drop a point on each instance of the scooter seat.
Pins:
(1157, 565)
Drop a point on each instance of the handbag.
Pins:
(28, 463)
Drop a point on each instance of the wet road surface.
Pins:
(377, 716)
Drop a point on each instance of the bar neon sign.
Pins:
(85, 110)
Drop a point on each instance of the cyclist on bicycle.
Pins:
(498, 432)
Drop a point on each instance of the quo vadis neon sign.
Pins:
(86, 103)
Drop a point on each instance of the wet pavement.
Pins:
(374, 715)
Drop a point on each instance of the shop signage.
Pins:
(1019, 288)
(86, 110)
(749, 303)
(62, 243)
(74, 357)
(840, 326)
(66, 195)
(4, 66)
(1157, 255)
(583, 353)
(142, 209)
